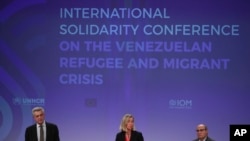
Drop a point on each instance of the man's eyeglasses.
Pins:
(200, 130)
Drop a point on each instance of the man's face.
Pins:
(38, 117)
(201, 132)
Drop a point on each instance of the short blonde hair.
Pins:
(124, 122)
(37, 109)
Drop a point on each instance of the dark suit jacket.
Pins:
(135, 136)
(208, 139)
(52, 133)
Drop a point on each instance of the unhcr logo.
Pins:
(28, 101)
(180, 104)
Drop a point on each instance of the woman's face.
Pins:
(130, 123)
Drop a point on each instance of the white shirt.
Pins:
(38, 130)
(204, 139)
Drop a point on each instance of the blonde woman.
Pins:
(127, 130)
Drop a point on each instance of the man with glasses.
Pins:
(202, 133)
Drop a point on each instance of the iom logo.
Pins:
(28, 101)
(180, 104)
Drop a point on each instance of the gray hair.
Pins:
(37, 109)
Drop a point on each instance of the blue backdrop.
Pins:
(172, 64)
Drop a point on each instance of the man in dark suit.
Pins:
(202, 133)
(41, 130)
(127, 130)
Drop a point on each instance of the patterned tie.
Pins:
(41, 133)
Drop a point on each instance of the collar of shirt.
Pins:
(38, 125)
(204, 139)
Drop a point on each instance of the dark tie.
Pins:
(41, 133)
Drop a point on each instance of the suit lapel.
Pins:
(34, 130)
(123, 136)
(48, 130)
(133, 136)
